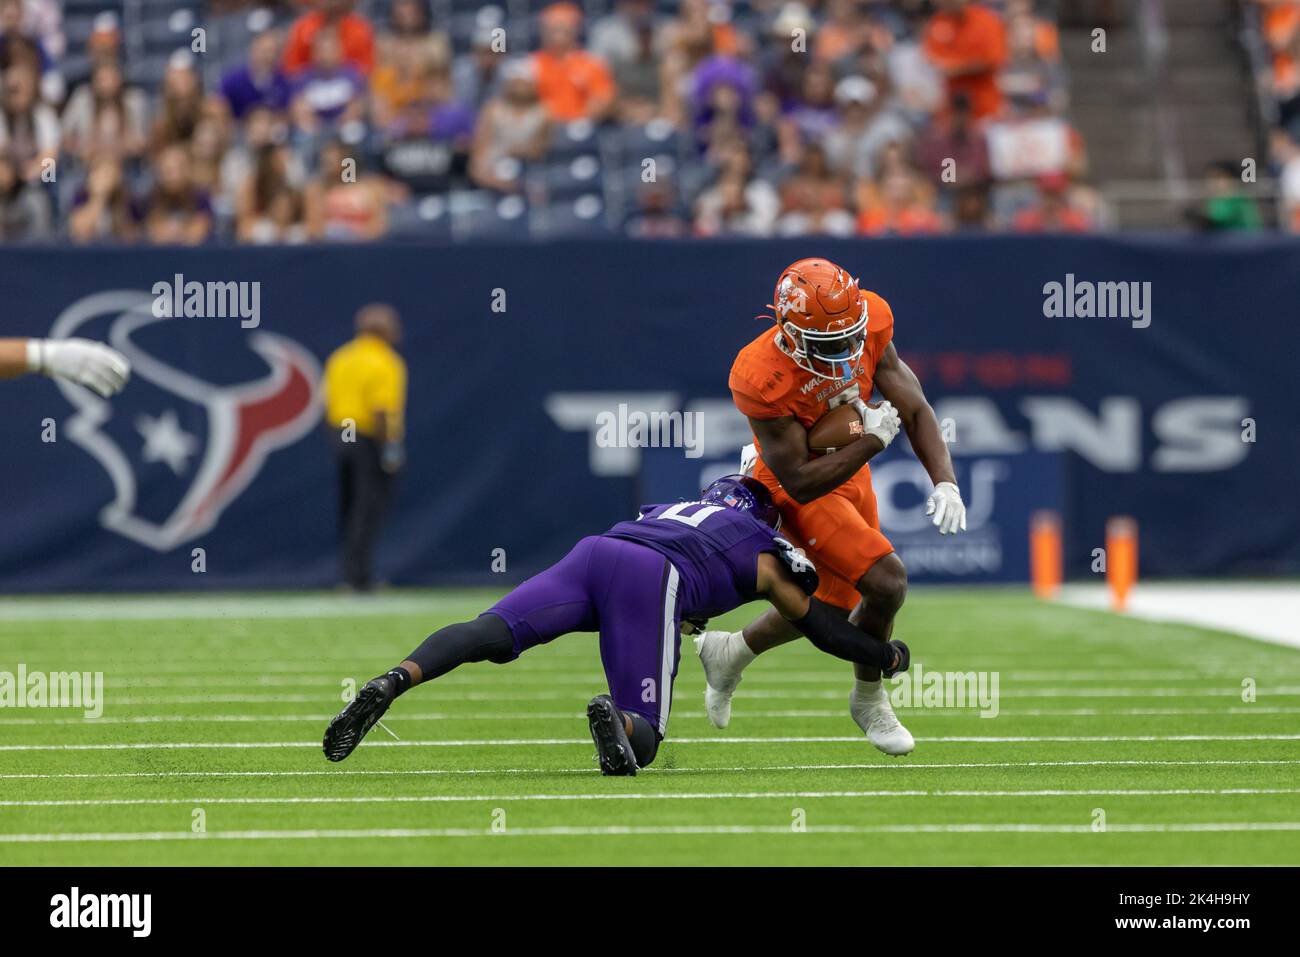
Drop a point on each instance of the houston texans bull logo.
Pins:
(176, 466)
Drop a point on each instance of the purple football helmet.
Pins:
(744, 494)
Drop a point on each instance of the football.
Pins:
(836, 429)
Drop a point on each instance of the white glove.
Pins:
(82, 361)
(882, 421)
(946, 506)
(748, 459)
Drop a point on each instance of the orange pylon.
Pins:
(1121, 559)
(1045, 553)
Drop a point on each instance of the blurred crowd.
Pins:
(1277, 24)
(336, 120)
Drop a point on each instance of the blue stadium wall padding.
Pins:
(1187, 423)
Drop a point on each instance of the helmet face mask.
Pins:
(829, 355)
(822, 317)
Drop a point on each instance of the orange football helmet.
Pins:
(822, 317)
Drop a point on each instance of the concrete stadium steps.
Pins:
(1205, 98)
(1111, 105)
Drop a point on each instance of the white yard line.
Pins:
(1263, 610)
(1282, 691)
(831, 713)
(286, 675)
(252, 605)
(506, 681)
(270, 697)
(891, 767)
(235, 605)
(644, 830)
(511, 742)
(834, 688)
(693, 796)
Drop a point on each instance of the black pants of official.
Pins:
(364, 492)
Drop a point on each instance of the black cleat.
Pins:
(607, 730)
(352, 723)
(902, 660)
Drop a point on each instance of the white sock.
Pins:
(867, 690)
(738, 650)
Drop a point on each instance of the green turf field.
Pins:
(215, 708)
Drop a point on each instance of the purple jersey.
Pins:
(637, 582)
(714, 548)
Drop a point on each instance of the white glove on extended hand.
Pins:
(82, 361)
(882, 421)
(946, 506)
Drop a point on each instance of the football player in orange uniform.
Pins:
(832, 345)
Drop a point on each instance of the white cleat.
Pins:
(721, 673)
(875, 716)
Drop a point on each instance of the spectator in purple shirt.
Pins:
(176, 212)
(330, 92)
(815, 115)
(258, 81)
(722, 95)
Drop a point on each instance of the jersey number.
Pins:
(848, 395)
(695, 519)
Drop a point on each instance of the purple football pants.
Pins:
(628, 593)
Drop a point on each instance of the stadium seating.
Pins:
(686, 124)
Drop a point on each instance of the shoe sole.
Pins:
(894, 754)
(612, 745)
(352, 724)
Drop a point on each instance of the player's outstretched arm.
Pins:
(82, 361)
(899, 384)
(13, 358)
(823, 625)
(785, 450)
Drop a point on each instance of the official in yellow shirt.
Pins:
(365, 402)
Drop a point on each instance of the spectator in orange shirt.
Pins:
(354, 31)
(901, 208)
(967, 43)
(571, 83)
(1054, 212)
(1281, 21)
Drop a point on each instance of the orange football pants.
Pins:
(840, 532)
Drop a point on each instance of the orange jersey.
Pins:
(766, 384)
(841, 530)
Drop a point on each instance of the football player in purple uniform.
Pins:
(635, 585)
